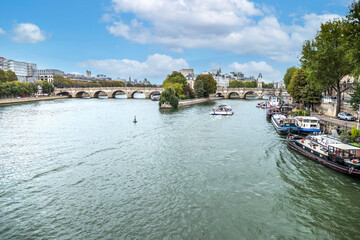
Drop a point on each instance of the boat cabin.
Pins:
(308, 122)
(344, 151)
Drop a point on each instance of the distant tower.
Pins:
(88, 73)
(259, 81)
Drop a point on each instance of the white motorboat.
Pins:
(222, 110)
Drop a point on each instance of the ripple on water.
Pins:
(179, 174)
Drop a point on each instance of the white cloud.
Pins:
(28, 33)
(254, 68)
(2, 31)
(238, 26)
(155, 66)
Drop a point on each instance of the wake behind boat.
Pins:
(222, 110)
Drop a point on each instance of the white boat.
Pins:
(222, 110)
(308, 125)
(155, 97)
(273, 102)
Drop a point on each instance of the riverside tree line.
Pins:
(176, 87)
(11, 87)
(333, 54)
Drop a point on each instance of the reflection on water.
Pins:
(81, 169)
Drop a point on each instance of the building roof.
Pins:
(308, 118)
(344, 146)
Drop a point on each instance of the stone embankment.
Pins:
(329, 123)
(28, 100)
(188, 102)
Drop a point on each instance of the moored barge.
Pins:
(328, 151)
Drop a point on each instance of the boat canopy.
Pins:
(344, 150)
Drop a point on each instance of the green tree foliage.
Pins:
(326, 59)
(309, 95)
(188, 91)
(62, 82)
(354, 132)
(236, 84)
(241, 84)
(199, 89)
(269, 85)
(355, 97)
(47, 87)
(177, 87)
(353, 36)
(33, 88)
(175, 77)
(301, 90)
(297, 84)
(169, 96)
(12, 89)
(11, 76)
(3, 76)
(8, 76)
(288, 75)
(209, 84)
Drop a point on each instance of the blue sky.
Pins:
(151, 38)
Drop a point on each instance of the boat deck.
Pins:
(310, 144)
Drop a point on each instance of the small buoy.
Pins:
(134, 120)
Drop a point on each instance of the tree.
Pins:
(353, 36)
(309, 95)
(326, 59)
(269, 85)
(209, 84)
(169, 95)
(355, 97)
(236, 84)
(175, 77)
(3, 76)
(199, 88)
(288, 75)
(177, 87)
(297, 84)
(47, 87)
(11, 76)
(33, 88)
(188, 91)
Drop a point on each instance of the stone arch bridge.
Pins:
(108, 91)
(243, 92)
(130, 91)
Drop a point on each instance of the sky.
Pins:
(151, 38)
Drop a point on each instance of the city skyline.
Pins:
(145, 39)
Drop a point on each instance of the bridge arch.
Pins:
(234, 95)
(139, 92)
(121, 92)
(64, 94)
(100, 93)
(251, 95)
(156, 92)
(81, 94)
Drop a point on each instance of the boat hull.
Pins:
(322, 158)
(284, 130)
(222, 113)
(306, 131)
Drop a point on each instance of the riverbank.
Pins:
(328, 123)
(4, 102)
(188, 102)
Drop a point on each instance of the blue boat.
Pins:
(307, 125)
(283, 124)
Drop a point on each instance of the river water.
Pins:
(81, 169)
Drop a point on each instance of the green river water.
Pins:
(81, 169)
